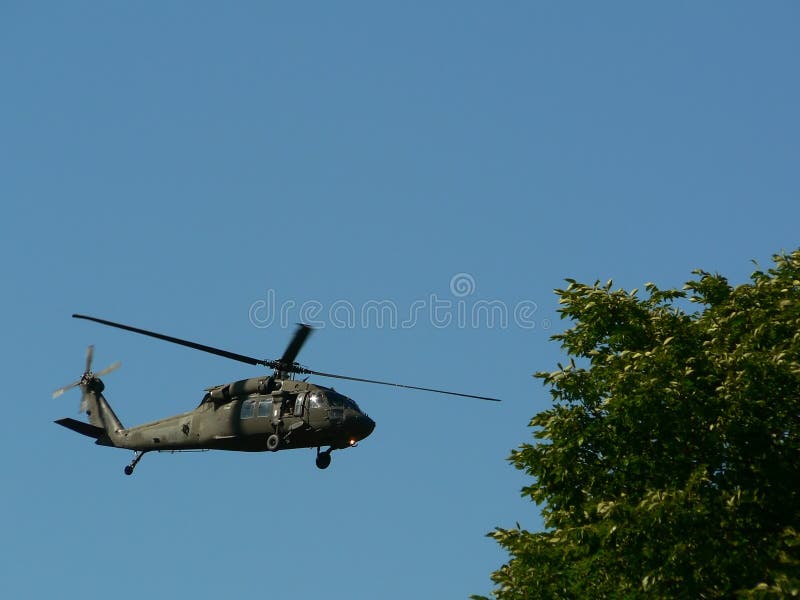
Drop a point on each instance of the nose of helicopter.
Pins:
(363, 426)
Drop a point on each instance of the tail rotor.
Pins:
(88, 377)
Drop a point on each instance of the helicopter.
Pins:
(269, 413)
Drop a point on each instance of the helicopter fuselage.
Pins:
(251, 415)
(303, 415)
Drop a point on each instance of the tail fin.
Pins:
(103, 424)
(94, 404)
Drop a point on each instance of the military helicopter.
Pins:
(273, 412)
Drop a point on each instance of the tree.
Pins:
(669, 463)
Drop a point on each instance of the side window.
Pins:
(298, 405)
(248, 406)
(264, 408)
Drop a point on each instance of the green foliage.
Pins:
(669, 464)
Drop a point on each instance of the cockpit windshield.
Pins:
(333, 399)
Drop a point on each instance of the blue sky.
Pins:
(184, 166)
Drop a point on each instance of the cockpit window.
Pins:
(316, 400)
(338, 401)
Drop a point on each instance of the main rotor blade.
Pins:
(400, 385)
(167, 338)
(300, 336)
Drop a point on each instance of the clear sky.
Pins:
(220, 171)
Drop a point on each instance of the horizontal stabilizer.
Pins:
(86, 429)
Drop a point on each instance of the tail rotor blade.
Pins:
(60, 391)
(87, 376)
(108, 369)
(89, 357)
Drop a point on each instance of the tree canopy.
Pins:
(668, 465)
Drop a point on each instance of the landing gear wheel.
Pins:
(129, 469)
(323, 460)
(273, 441)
